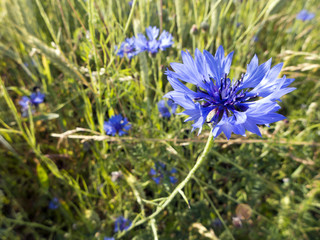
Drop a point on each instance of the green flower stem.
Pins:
(199, 162)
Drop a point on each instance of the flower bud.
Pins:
(194, 30)
(204, 26)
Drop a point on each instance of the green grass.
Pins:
(62, 46)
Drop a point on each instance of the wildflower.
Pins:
(54, 203)
(108, 238)
(217, 222)
(25, 103)
(229, 106)
(117, 124)
(127, 48)
(153, 45)
(37, 98)
(236, 221)
(121, 224)
(164, 106)
(116, 175)
(304, 15)
(160, 172)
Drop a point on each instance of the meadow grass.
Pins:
(248, 188)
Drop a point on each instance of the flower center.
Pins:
(224, 98)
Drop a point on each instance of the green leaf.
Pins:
(43, 177)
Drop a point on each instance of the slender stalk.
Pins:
(162, 206)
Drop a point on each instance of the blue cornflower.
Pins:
(165, 106)
(160, 171)
(117, 124)
(121, 224)
(54, 203)
(127, 48)
(228, 105)
(304, 15)
(37, 98)
(108, 238)
(152, 45)
(24, 103)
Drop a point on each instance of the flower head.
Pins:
(228, 105)
(25, 103)
(165, 106)
(152, 45)
(160, 172)
(108, 238)
(121, 224)
(117, 124)
(54, 203)
(36, 98)
(304, 15)
(127, 48)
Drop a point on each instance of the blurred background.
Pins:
(62, 177)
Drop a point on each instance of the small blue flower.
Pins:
(127, 48)
(117, 124)
(24, 103)
(228, 105)
(165, 106)
(54, 203)
(152, 45)
(121, 224)
(217, 222)
(108, 238)
(37, 98)
(165, 40)
(304, 15)
(160, 172)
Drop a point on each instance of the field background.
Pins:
(67, 48)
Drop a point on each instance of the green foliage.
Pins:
(66, 47)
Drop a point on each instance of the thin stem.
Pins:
(199, 162)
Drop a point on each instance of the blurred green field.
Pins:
(248, 188)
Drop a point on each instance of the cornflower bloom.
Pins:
(160, 172)
(24, 103)
(36, 98)
(229, 106)
(152, 45)
(121, 224)
(54, 203)
(108, 238)
(304, 15)
(127, 48)
(164, 108)
(117, 124)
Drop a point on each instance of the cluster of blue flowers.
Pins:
(35, 99)
(228, 105)
(160, 173)
(304, 15)
(167, 108)
(135, 45)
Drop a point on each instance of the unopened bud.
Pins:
(194, 30)
(204, 26)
